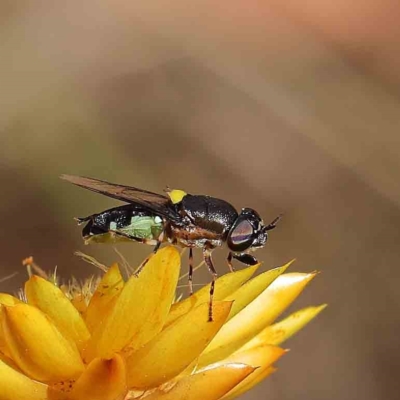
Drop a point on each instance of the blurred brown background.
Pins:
(288, 108)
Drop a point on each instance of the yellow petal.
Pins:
(8, 300)
(262, 357)
(49, 298)
(209, 384)
(79, 302)
(175, 348)
(141, 309)
(250, 290)
(224, 286)
(283, 330)
(37, 346)
(14, 385)
(256, 316)
(7, 360)
(249, 382)
(102, 380)
(106, 292)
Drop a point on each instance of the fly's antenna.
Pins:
(273, 224)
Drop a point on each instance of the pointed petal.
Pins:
(262, 357)
(79, 302)
(107, 291)
(102, 380)
(7, 360)
(259, 356)
(49, 298)
(249, 382)
(224, 286)
(250, 290)
(167, 355)
(256, 316)
(283, 330)
(140, 311)
(14, 385)
(37, 346)
(210, 384)
(8, 300)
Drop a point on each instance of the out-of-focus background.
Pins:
(291, 108)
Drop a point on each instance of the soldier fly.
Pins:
(193, 221)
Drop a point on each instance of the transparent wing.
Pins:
(155, 202)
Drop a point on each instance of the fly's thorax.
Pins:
(193, 236)
(208, 213)
(204, 221)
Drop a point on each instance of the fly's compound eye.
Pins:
(241, 236)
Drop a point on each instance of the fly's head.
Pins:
(248, 232)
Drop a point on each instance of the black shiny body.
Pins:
(209, 213)
(115, 220)
(204, 220)
(188, 220)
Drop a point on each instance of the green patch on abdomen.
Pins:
(142, 227)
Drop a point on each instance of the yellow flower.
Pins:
(129, 340)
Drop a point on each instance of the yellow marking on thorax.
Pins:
(176, 195)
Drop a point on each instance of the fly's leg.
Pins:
(229, 259)
(151, 242)
(156, 247)
(160, 239)
(272, 225)
(213, 272)
(245, 258)
(190, 271)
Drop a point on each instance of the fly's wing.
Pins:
(154, 202)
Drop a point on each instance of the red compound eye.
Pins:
(241, 235)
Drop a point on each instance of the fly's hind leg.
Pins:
(152, 242)
(157, 245)
(208, 260)
(159, 240)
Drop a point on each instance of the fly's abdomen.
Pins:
(124, 223)
(141, 227)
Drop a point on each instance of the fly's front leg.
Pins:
(245, 258)
(213, 272)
